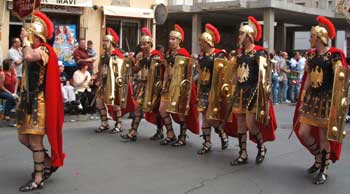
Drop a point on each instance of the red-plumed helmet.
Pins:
(325, 29)
(41, 26)
(211, 35)
(178, 32)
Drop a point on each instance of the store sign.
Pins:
(77, 3)
(24, 8)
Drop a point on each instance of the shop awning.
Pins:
(128, 12)
(76, 3)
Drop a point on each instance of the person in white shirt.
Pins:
(82, 82)
(15, 53)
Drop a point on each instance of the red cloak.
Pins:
(130, 106)
(268, 131)
(335, 146)
(192, 120)
(54, 109)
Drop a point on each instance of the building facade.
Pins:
(282, 21)
(86, 19)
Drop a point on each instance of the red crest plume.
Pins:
(179, 29)
(47, 22)
(214, 31)
(258, 33)
(111, 32)
(324, 22)
(145, 31)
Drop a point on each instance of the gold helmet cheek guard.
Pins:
(321, 33)
(176, 35)
(208, 38)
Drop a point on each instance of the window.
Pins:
(128, 31)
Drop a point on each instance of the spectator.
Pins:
(8, 86)
(297, 64)
(67, 90)
(283, 77)
(92, 54)
(275, 83)
(82, 57)
(82, 82)
(15, 53)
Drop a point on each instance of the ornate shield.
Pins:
(180, 86)
(122, 81)
(339, 104)
(153, 86)
(264, 90)
(221, 90)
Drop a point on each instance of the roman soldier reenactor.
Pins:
(40, 110)
(252, 109)
(319, 118)
(110, 95)
(174, 75)
(206, 59)
(148, 67)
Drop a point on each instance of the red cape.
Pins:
(192, 120)
(54, 109)
(335, 146)
(268, 131)
(130, 106)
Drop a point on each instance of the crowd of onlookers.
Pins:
(77, 84)
(286, 77)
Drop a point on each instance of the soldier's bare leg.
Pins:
(36, 146)
(222, 134)
(100, 105)
(242, 140)
(171, 138)
(132, 134)
(183, 129)
(118, 119)
(206, 130)
(257, 135)
(311, 144)
(322, 176)
(159, 133)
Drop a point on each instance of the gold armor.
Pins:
(264, 90)
(154, 78)
(221, 91)
(316, 77)
(180, 85)
(243, 73)
(339, 103)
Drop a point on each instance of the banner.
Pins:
(65, 43)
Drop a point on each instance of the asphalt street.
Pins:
(106, 164)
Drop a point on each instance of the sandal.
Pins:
(242, 141)
(168, 140)
(129, 136)
(102, 128)
(322, 176)
(117, 128)
(206, 148)
(182, 137)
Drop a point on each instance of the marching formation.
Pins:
(232, 94)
